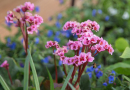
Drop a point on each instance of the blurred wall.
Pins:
(47, 8)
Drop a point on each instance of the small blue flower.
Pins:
(45, 60)
(58, 25)
(113, 72)
(8, 24)
(90, 75)
(107, 18)
(88, 70)
(12, 46)
(99, 66)
(61, 1)
(91, 68)
(104, 84)
(8, 40)
(22, 65)
(60, 62)
(59, 16)
(111, 79)
(37, 9)
(94, 12)
(99, 11)
(57, 33)
(22, 40)
(56, 39)
(0, 56)
(99, 74)
(50, 18)
(49, 33)
(96, 70)
(36, 40)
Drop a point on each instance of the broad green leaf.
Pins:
(3, 83)
(126, 53)
(67, 79)
(121, 44)
(26, 73)
(33, 71)
(85, 83)
(121, 68)
(51, 80)
(72, 87)
(128, 79)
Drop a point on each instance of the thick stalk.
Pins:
(78, 79)
(55, 67)
(9, 76)
(65, 70)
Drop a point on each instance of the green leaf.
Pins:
(51, 80)
(67, 79)
(125, 77)
(121, 44)
(3, 83)
(72, 87)
(126, 53)
(120, 68)
(26, 73)
(33, 71)
(85, 83)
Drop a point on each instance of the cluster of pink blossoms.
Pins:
(88, 44)
(33, 22)
(52, 44)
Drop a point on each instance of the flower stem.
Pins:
(55, 67)
(65, 70)
(9, 76)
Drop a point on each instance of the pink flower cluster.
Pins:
(33, 22)
(52, 44)
(88, 43)
(79, 28)
(5, 64)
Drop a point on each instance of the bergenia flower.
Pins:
(5, 64)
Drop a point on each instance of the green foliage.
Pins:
(51, 80)
(3, 83)
(121, 68)
(67, 79)
(126, 53)
(121, 44)
(85, 82)
(33, 71)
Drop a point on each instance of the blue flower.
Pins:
(0, 56)
(8, 40)
(37, 9)
(111, 79)
(96, 70)
(99, 11)
(94, 12)
(38, 33)
(99, 66)
(22, 40)
(99, 74)
(59, 16)
(58, 25)
(22, 65)
(91, 68)
(50, 18)
(56, 39)
(104, 84)
(36, 40)
(106, 18)
(61, 1)
(113, 72)
(49, 33)
(88, 70)
(57, 33)
(90, 75)
(8, 23)
(12, 46)
(60, 62)
(45, 60)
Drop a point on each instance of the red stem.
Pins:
(78, 79)
(73, 73)
(9, 76)
(55, 67)
(65, 70)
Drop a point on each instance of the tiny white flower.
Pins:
(112, 11)
(125, 15)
